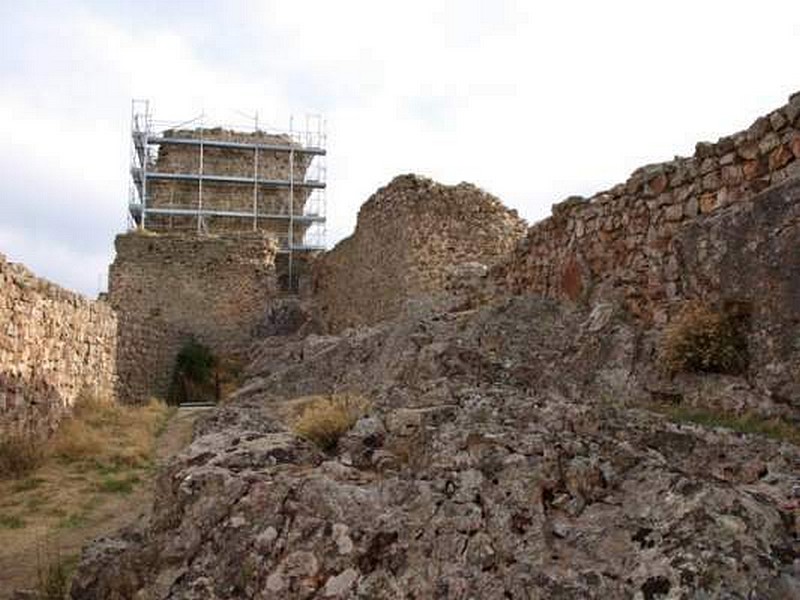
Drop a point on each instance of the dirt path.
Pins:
(23, 549)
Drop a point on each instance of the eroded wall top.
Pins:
(408, 236)
(620, 242)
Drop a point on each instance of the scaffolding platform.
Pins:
(138, 176)
(211, 177)
(236, 145)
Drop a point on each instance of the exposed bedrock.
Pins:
(504, 457)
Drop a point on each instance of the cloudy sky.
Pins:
(533, 101)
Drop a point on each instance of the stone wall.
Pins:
(54, 346)
(621, 242)
(227, 196)
(169, 287)
(408, 236)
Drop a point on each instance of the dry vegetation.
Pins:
(704, 339)
(325, 419)
(19, 455)
(76, 480)
(110, 434)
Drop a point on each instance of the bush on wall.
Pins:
(706, 339)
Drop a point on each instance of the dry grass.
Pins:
(703, 339)
(145, 232)
(19, 455)
(85, 477)
(109, 433)
(325, 419)
(53, 573)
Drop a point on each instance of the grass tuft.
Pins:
(27, 484)
(325, 419)
(19, 455)
(110, 434)
(53, 574)
(748, 423)
(11, 522)
(114, 485)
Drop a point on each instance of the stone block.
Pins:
(769, 143)
(691, 207)
(780, 157)
(708, 203)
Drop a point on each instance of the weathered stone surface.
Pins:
(54, 345)
(412, 230)
(521, 469)
(166, 288)
(749, 254)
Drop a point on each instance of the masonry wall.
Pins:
(54, 346)
(408, 236)
(621, 242)
(233, 197)
(167, 288)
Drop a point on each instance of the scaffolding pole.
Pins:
(194, 192)
(291, 219)
(200, 182)
(255, 180)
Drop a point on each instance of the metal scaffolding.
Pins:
(290, 204)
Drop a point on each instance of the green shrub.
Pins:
(193, 378)
(195, 361)
(702, 339)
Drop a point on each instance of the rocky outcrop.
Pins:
(749, 254)
(505, 456)
(54, 346)
(409, 235)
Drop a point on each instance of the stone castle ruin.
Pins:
(513, 428)
(223, 222)
(224, 227)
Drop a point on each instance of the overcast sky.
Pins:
(533, 101)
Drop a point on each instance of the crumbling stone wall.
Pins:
(231, 197)
(54, 346)
(408, 236)
(169, 287)
(621, 242)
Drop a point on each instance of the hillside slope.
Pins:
(506, 456)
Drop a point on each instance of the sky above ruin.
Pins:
(533, 101)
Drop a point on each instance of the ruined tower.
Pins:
(222, 219)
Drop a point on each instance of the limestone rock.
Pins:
(522, 469)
